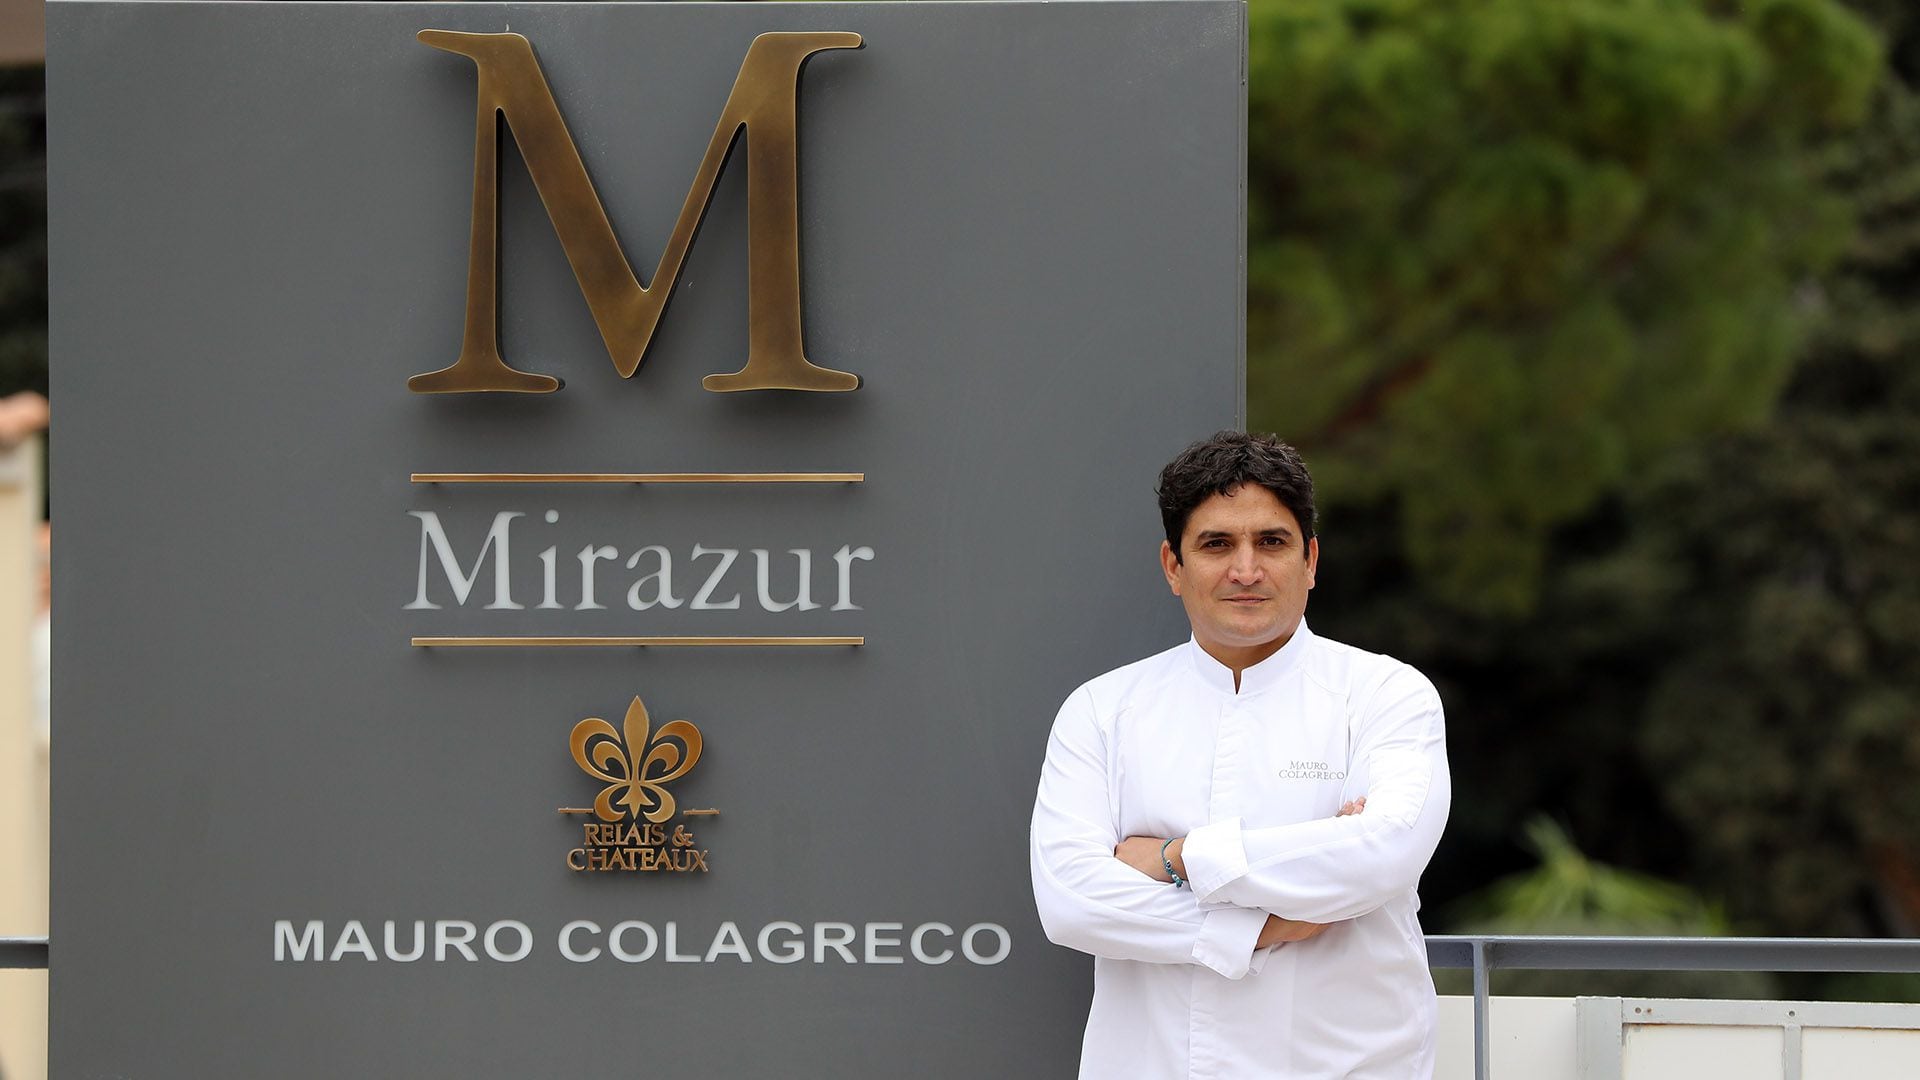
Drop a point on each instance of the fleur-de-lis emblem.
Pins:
(636, 769)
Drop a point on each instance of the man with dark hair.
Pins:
(1235, 827)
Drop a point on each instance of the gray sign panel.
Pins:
(1021, 226)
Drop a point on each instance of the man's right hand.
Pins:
(1279, 931)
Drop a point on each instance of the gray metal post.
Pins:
(1481, 1020)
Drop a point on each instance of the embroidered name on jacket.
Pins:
(1310, 770)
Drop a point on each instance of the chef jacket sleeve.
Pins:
(1343, 867)
(1091, 901)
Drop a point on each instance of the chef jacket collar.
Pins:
(1262, 676)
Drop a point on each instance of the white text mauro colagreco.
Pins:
(702, 578)
(634, 941)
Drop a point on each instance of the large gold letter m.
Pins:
(762, 104)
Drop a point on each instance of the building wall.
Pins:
(23, 766)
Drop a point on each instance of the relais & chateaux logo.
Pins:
(634, 808)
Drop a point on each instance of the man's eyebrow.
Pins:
(1272, 530)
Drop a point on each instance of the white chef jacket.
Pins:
(1252, 778)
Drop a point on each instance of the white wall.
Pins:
(1667, 1039)
(1531, 1039)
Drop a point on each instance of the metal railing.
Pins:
(23, 952)
(1483, 953)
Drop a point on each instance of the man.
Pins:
(1235, 827)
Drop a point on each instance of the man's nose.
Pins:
(1245, 569)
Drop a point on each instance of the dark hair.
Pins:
(1225, 462)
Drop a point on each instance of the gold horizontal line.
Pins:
(643, 478)
(576, 809)
(699, 813)
(579, 642)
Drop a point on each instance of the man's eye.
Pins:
(1272, 541)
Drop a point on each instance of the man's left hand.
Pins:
(1143, 854)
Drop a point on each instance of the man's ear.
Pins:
(1170, 565)
(1313, 560)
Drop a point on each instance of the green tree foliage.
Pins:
(1740, 635)
(1785, 722)
(1720, 681)
(1568, 893)
(1502, 253)
(23, 232)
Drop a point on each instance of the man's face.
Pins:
(1242, 574)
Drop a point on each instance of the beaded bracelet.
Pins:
(1178, 881)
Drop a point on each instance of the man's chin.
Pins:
(1252, 637)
